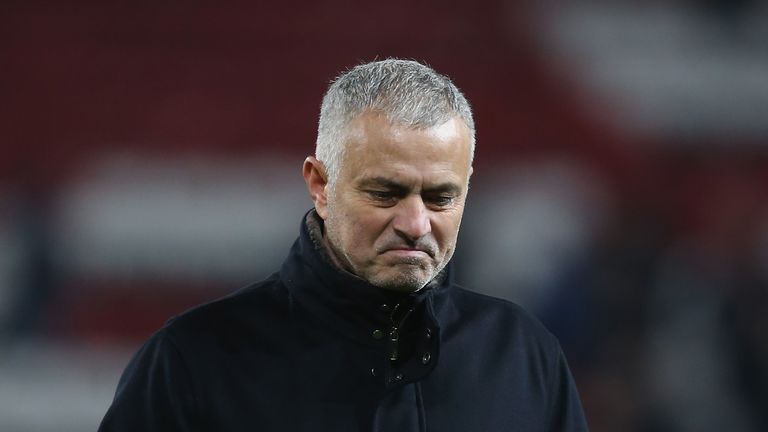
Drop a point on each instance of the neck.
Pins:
(316, 231)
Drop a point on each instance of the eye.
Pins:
(440, 200)
(380, 196)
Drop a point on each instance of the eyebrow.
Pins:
(448, 187)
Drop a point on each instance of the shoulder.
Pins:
(231, 316)
(502, 318)
(192, 342)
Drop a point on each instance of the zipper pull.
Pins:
(394, 338)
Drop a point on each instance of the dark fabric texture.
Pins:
(313, 348)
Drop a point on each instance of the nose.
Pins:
(411, 219)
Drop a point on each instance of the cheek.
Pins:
(446, 229)
(357, 228)
(369, 226)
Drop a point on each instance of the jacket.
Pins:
(313, 348)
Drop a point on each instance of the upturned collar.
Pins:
(343, 300)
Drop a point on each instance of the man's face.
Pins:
(394, 214)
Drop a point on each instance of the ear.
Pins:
(316, 180)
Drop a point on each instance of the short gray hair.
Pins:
(405, 91)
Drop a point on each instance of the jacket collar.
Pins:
(343, 300)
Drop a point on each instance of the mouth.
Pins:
(408, 252)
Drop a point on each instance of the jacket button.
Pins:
(428, 333)
(426, 358)
(374, 372)
(377, 334)
(398, 377)
(385, 307)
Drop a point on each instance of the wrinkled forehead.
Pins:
(373, 143)
(373, 125)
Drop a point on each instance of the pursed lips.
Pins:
(410, 251)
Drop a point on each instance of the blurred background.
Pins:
(151, 158)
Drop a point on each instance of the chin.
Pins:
(406, 282)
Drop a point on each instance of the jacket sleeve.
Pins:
(567, 414)
(154, 393)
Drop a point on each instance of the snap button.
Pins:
(398, 377)
(385, 307)
(377, 334)
(374, 372)
(426, 358)
(428, 333)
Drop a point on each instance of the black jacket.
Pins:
(316, 349)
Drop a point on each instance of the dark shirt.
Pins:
(313, 348)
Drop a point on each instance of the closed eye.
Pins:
(379, 195)
(384, 198)
(440, 201)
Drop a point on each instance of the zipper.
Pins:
(394, 331)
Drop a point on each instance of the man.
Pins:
(362, 329)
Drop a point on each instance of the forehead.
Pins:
(375, 147)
